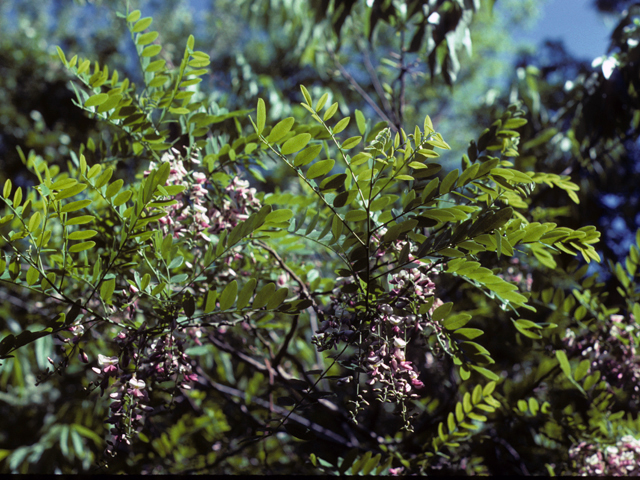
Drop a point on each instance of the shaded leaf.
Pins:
(228, 295)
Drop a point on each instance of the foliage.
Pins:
(376, 312)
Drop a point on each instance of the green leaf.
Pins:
(441, 312)
(146, 38)
(336, 227)
(305, 94)
(331, 111)
(228, 295)
(154, 66)
(95, 170)
(320, 168)
(487, 373)
(279, 216)
(430, 190)
(121, 198)
(70, 192)
(63, 184)
(348, 460)
(245, 294)
(449, 181)
(264, 295)
(133, 16)
(74, 206)
(355, 215)
(34, 221)
(341, 125)
(152, 50)
(144, 283)
(106, 290)
(307, 155)
(523, 327)
(102, 180)
(469, 333)
(6, 191)
(32, 275)
(468, 175)
(514, 123)
(296, 143)
(361, 122)
(210, 304)
(280, 129)
(371, 464)
(566, 369)
(357, 466)
(451, 422)
(62, 57)
(17, 197)
(160, 287)
(95, 100)
(277, 298)
(456, 321)
(79, 247)
(349, 143)
(6, 219)
(564, 363)
(114, 188)
(261, 116)
(159, 80)
(82, 235)
(142, 24)
(321, 102)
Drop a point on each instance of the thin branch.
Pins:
(403, 72)
(361, 91)
(287, 339)
(314, 427)
(375, 81)
(305, 291)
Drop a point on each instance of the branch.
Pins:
(278, 358)
(314, 427)
(360, 90)
(375, 81)
(305, 291)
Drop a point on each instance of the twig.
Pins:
(305, 290)
(403, 71)
(375, 81)
(314, 427)
(360, 90)
(287, 339)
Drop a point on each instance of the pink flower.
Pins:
(109, 365)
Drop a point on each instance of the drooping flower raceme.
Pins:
(384, 333)
(613, 351)
(621, 459)
(136, 371)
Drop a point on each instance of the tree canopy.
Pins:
(293, 237)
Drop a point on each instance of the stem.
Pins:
(361, 91)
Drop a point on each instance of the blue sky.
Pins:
(584, 31)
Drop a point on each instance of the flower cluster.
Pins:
(621, 459)
(515, 275)
(163, 359)
(612, 349)
(383, 336)
(194, 213)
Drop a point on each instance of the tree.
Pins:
(364, 315)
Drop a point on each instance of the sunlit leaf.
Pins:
(296, 143)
